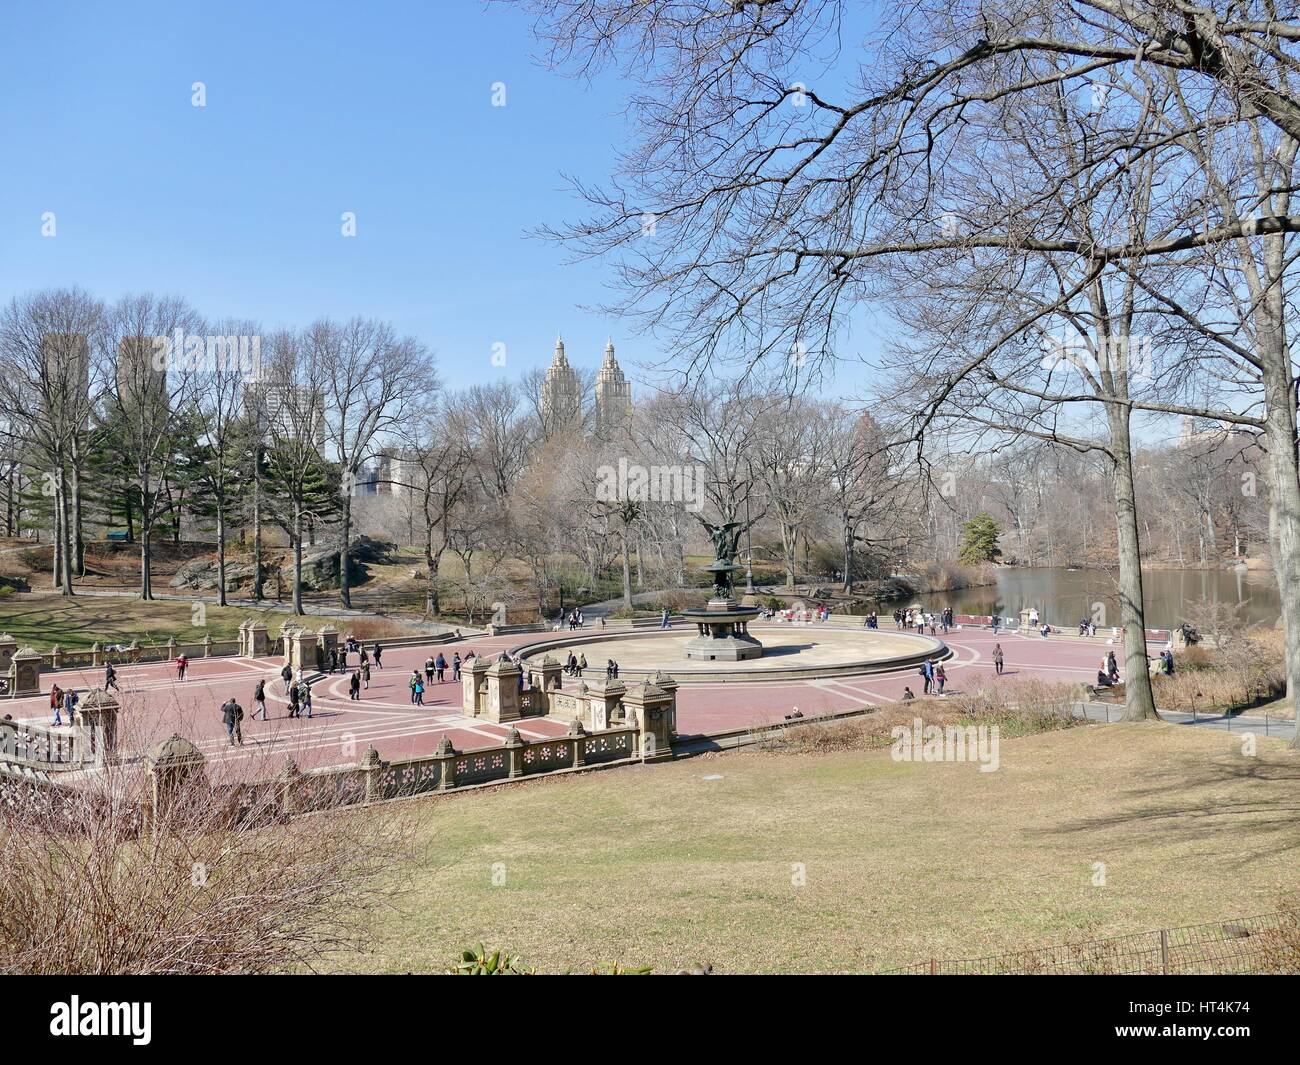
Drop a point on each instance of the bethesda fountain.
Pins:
(722, 622)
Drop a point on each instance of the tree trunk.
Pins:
(65, 571)
(78, 534)
(297, 558)
(146, 561)
(627, 574)
(221, 555)
(257, 528)
(345, 536)
(848, 560)
(1139, 701)
(56, 560)
(432, 564)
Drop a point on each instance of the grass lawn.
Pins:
(42, 620)
(661, 865)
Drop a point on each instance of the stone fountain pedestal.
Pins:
(724, 632)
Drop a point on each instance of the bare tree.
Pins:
(373, 383)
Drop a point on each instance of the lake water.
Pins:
(1064, 596)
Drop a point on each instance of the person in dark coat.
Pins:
(354, 686)
(231, 715)
(259, 700)
(287, 675)
(110, 677)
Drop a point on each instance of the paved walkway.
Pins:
(155, 704)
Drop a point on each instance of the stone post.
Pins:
(257, 643)
(170, 765)
(547, 675)
(96, 721)
(448, 754)
(668, 684)
(171, 648)
(133, 652)
(603, 700)
(372, 766)
(303, 650)
(26, 673)
(648, 705)
(288, 778)
(473, 679)
(8, 647)
(515, 753)
(207, 645)
(578, 737)
(503, 690)
(56, 656)
(96, 654)
(243, 636)
(329, 641)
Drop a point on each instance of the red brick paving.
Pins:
(155, 703)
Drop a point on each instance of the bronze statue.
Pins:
(725, 540)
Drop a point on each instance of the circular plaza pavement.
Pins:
(790, 652)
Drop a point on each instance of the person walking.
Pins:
(182, 665)
(354, 686)
(286, 675)
(428, 670)
(294, 706)
(455, 665)
(940, 677)
(997, 659)
(927, 676)
(56, 701)
(231, 715)
(306, 698)
(259, 700)
(663, 619)
(365, 675)
(378, 656)
(110, 677)
(419, 691)
(440, 667)
(415, 679)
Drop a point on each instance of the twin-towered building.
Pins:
(561, 405)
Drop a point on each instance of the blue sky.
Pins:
(383, 109)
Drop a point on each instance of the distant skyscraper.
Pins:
(67, 372)
(561, 394)
(613, 396)
(140, 378)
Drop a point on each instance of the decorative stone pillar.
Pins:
(257, 642)
(668, 684)
(578, 737)
(170, 765)
(515, 753)
(8, 648)
(133, 652)
(171, 648)
(604, 699)
(96, 719)
(503, 691)
(448, 754)
(26, 673)
(285, 640)
(372, 766)
(649, 705)
(303, 650)
(96, 654)
(328, 641)
(547, 675)
(288, 778)
(56, 656)
(473, 679)
(207, 645)
(243, 636)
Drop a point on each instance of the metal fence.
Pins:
(1267, 944)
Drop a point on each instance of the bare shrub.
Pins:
(1017, 709)
(93, 881)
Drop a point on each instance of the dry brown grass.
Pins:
(1247, 670)
(693, 861)
(1018, 709)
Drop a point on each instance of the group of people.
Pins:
(574, 619)
(918, 620)
(1108, 674)
(575, 664)
(337, 659)
(933, 677)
